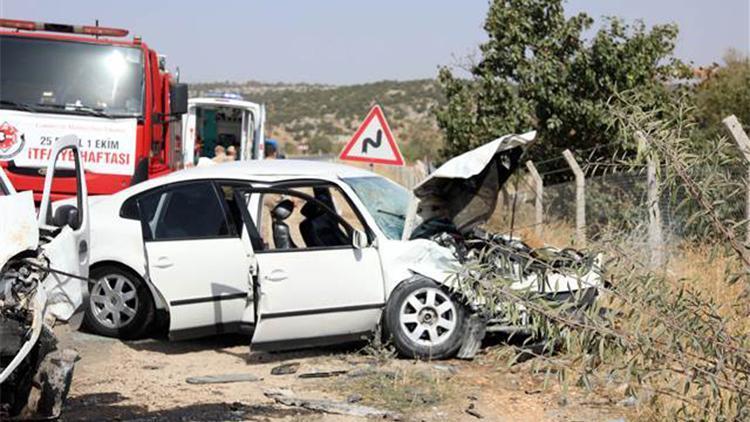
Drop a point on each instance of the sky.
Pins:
(349, 41)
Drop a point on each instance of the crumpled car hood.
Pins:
(19, 230)
(464, 190)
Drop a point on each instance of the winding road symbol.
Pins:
(375, 143)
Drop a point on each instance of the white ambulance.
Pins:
(226, 120)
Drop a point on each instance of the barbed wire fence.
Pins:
(576, 199)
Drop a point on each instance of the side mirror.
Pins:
(67, 215)
(178, 99)
(359, 239)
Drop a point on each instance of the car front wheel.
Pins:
(425, 321)
(120, 303)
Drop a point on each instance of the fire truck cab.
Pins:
(114, 94)
(226, 120)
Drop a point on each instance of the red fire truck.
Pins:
(114, 94)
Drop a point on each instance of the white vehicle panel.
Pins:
(300, 291)
(204, 282)
(18, 226)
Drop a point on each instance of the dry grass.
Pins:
(702, 269)
(406, 390)
(705, 270)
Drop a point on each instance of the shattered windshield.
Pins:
(386, 201)
(70, 77)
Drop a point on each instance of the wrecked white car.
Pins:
(299, 253)
(43, 268)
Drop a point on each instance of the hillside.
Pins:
(319, 118)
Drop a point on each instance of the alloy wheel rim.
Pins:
(113, 300)
(428, 316)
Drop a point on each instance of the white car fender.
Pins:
(403, 259)
(127, 251)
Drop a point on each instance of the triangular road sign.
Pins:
(373, 142)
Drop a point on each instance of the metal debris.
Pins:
(222, 379)
(472, 410)
(322, 374)
(51, 385)
(285, 369)
(473, 337)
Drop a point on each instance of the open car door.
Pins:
(197, 256)
(324, 289)
(68, 225)
(189, 133)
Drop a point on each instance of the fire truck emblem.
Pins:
(11, 141)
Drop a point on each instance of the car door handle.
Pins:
(83, 248)
(163, 262)
(276, 275)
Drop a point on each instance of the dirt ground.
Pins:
(146, 380)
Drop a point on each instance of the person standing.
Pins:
(220, 154)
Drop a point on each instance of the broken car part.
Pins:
(43, 275)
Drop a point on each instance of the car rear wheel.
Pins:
(120, 303)
(425, 321)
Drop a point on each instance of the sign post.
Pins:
(373, 142)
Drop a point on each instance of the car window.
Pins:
(292, 221)
(185, 211)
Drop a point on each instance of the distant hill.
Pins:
(317, 118)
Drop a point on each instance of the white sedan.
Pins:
(299, 253)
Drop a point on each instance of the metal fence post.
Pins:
(580, 198)
(538, 192)
(655, 239)
(739, 135)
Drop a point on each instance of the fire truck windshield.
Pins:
(70, 77)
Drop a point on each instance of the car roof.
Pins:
(261, 170)
(283, 167)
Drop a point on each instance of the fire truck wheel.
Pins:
(120, 304)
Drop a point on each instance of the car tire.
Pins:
(120, 303)
(424, 321)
